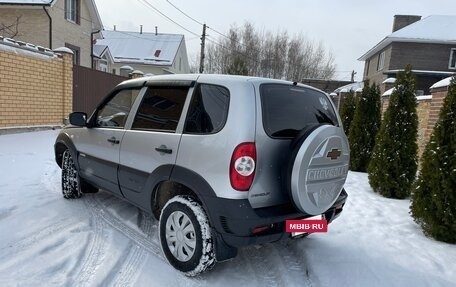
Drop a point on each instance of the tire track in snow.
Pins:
(142, 240)
(262, 266)
(134, 235)
(128, 272)
(96, 249)
(39, 236)
(294, 262)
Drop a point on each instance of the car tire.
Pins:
(71, 187)
(185, 236)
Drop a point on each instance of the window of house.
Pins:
(72, 10)
(103, 65)
(381, 61)
(452, 64)
(76, 53)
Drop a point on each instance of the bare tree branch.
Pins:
(259, 53)
(10, 30)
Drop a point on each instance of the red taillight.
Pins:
(242, 166)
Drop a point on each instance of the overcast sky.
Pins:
(348, 28)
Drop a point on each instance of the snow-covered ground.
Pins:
(100, 240)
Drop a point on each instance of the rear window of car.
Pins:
(288, 109)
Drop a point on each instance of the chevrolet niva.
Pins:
(221, 161)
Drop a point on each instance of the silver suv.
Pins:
(221, 161)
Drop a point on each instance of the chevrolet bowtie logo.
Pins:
(334, 154)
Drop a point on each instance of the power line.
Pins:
(147, 4)
(185, 14)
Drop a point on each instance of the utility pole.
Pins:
(203, 41)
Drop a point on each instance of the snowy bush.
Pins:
(392, 169)
(364, 127)
(434, 197)
(347, 111)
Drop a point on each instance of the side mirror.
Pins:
(78, 119)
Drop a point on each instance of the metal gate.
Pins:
(90, 87)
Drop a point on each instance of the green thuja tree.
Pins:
(393, 166)
(434, 196)
(347, 111)
(364, 127)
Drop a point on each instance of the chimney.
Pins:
(115, 28)
(140, 29)
(156, 30)
(401, 21)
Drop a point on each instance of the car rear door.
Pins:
(149, 148)
(99, 145)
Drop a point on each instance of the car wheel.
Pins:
(185, 236)
(70, 179)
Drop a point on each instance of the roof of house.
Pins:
(350, 87)
(436, 29)
(142, 48)
(27, 2)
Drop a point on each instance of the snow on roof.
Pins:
(98, 50)
(358, 90)
(441, 84)
(27, 2)
(145, 48)
(389, 81)
(437, 29)
(425, 97)
(388, 92)
(349, 87)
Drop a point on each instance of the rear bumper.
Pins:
(234, 221)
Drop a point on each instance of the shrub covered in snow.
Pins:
(392, 169)
(347, 111)
(364, 127)
(434, 197)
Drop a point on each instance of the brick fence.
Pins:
(438, 96)
(35, 85)
(422, 110)
(428, 110)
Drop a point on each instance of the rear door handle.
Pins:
(164, 149)
(113, 140)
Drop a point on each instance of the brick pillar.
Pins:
(438, 96)
(422, 111)
(67, 81)
(137, 74)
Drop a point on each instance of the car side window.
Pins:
(208, 110)
(160, 109)
(115, 112)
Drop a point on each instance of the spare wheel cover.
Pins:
(319, 169)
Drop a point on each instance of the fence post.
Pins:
(67, 82)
